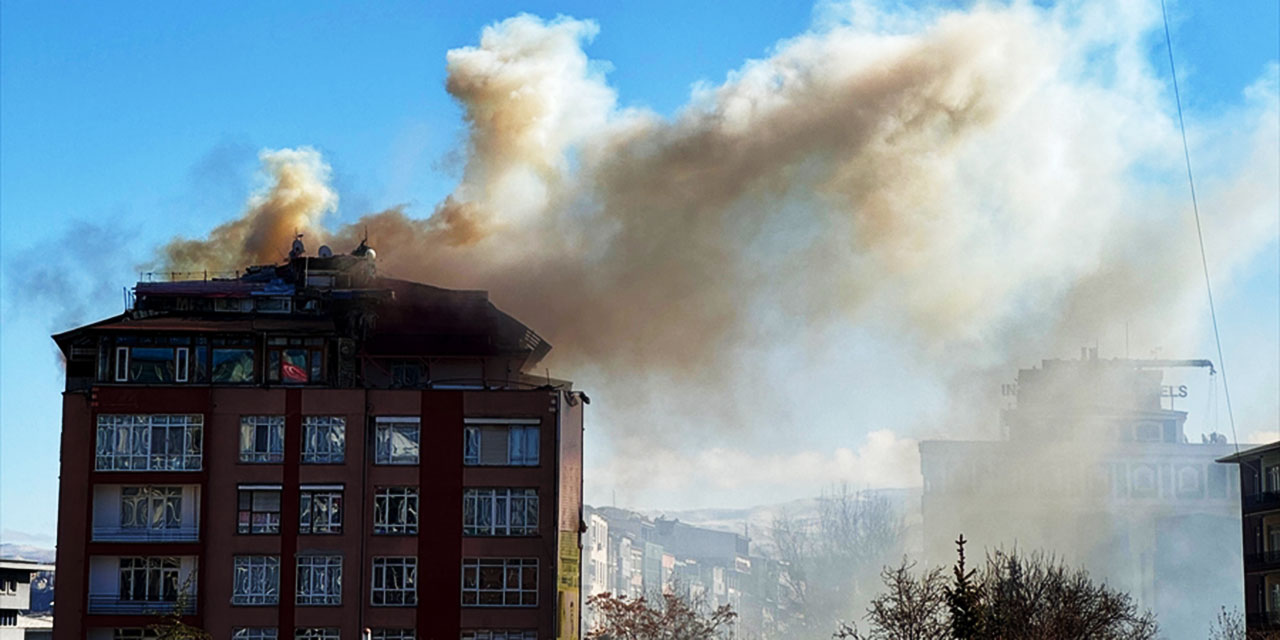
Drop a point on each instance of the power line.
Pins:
(1195, 208)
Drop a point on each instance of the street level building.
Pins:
(308, 450)
(1260, 519)
(1095, 468)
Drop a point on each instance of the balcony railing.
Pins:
(1263, 620)
(1261, 501)
(116, 605)
(146, 534)
(1262, 560)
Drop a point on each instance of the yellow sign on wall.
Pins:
(569, 576)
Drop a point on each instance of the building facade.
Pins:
(1095, 469)
(1260, 526)
(310, 450)
(15, 600)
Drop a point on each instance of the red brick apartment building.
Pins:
(311, 450)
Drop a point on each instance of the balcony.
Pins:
(1264, 561)
(113, 604)
(1261, 501)
(146, 534)
(1263, 620)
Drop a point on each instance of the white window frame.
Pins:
(314, 518)
(122, 364)
(181, 363)
(254, 633)
(522, 442)
(268, 526)
(250, 450)
(324, 440)
(385, 429)
(393, 634)
(508, 595)
(500, 634)
(134, 633)
(394, 582)
(261, 583)
(499, 512)
(315, 633)
(401, 502)
(153, 507)
(319, 580)
(127, 442)
(159, 577)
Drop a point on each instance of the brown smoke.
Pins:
(959, 187)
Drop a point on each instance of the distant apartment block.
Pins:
(15, 600)
(310, 449)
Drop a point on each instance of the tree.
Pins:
(1014, 597)
(911, 608)
(965, 600)
(671, 618)
(829, 563)
(171, 626)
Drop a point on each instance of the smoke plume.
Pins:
(969, 187)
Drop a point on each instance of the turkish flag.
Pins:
(293, 373)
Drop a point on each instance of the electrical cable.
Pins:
(1195, 208)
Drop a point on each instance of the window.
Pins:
(122, 364)
(510, 582)
(395, 511)
(500, 512)
(254, 633)
(393, 634)
(181, 363)
(8, 618)
(320, 510)
(396, 441)
(319, 579)
(256, 581)
(1273, 479)
(502, 634)
(1189, 481)
(134, 634)
(231, 364)
(315, 633)
(8, 587)
(149, 442)
(262, 439)
(233, 305)
(149, 579)
(150, 507)
(395, 582)
(295, 360)
(501, 445)
(259, 510)
(275, 305)
(324, 440)
(406, 374)
(1144, 481)
(152, 359)
(1148, 431)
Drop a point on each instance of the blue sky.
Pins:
(123, 125)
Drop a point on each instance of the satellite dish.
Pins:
(325, 251)
(297, 248)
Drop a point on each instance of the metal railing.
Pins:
(117, 605)
(1261, 501)
(146, 534)
(1263, 620)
